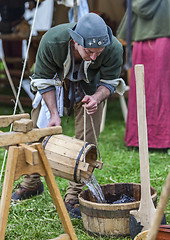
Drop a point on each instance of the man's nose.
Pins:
(93, 56)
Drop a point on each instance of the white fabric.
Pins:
(43, 19)
(82, 9)
(118, 83)
(26, 86)
(44, 115)
(44, 16)
(40, 84)
(1, 49)
(68, 3)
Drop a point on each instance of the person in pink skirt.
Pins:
(151, 37)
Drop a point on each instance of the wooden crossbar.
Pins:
(12, 138)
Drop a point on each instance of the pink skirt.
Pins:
(155, 55)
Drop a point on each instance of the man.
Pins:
(86, 59)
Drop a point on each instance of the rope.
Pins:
(20, 84)
(84, 156)
(92, 123)
(95, 137)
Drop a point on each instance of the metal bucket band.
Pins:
(77, 162)
(46, 141)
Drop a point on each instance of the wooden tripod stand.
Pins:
(27, 159)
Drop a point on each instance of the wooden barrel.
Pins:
(142, 235)
(110, 219)
(66, 157)
(163, 233)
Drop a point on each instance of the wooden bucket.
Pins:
(110, 219)
(142, 235)
(163, 233)
(66, 157)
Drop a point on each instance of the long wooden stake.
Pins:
(75, 11)
(160, 210)
(146, 211)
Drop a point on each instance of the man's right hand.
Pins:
(50, 100)
(54, 121)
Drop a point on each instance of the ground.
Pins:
(37, 219)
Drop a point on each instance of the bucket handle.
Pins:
(94, 132)
(78, 160)
(97, 146)
(46, 141)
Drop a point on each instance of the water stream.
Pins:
(97, 193)
(95, 189)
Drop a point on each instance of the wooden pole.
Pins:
(75, 11)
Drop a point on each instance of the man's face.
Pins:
(88, 54)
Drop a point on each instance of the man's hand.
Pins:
(55, 120)
(93, 101)
(50, 100)
(91, 104)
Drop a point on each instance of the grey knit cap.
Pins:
(91, 32)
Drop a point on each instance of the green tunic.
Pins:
(149, 20)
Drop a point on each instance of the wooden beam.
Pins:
(23, 125)
(31, 154)
(23, 168)
(6, 120)
(13, 138)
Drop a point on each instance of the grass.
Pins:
(37, 219)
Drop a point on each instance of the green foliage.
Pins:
(37, 218)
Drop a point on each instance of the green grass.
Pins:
(37, 219)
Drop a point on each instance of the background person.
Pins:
(151, 36)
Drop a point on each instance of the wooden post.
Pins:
(75, 11)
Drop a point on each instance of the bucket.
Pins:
(66, 157)
(163, 233)
(110, 219)
(142, 235)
